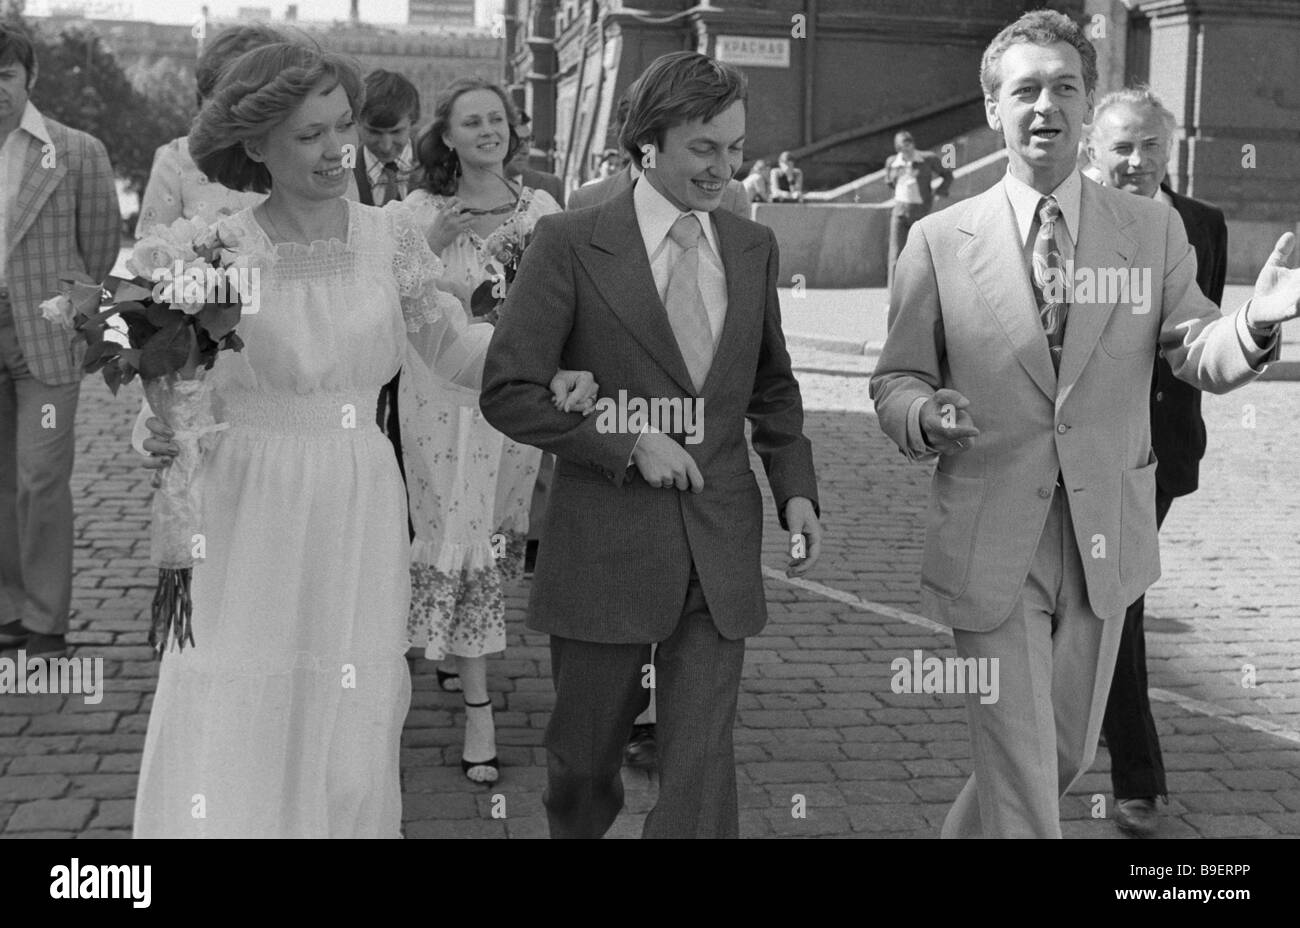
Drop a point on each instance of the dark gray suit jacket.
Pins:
(618, 552)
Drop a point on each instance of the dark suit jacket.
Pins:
(540, 180)
(1177, 429)
(735, 198)
(618, 552)
(928, 164)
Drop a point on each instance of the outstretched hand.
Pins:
(1277, 289)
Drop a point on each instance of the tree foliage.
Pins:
(82, 85)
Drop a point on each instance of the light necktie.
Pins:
(684, 302)
(1051, 267)
(388, 182)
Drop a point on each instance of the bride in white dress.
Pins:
(284, 719)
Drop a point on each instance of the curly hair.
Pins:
(254, 95)
(1041, 27)
(440, 164)
(225, 47)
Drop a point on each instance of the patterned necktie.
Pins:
(685, 303)
(1052, 263)
(388, 182)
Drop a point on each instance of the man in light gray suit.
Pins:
(1022, 331)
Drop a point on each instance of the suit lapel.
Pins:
(1102, 244)
(742, 261)
(1004, 285)
(616, 260)
(38, 182)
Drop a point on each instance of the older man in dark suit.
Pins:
(1129, 148)
(655, 529)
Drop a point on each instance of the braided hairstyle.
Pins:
(255, 94)
(440, 164)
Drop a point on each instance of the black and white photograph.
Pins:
(470, 419)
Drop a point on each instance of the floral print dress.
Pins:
(469, 486)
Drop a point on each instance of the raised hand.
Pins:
(664, 463)
(1277, 289)
(574, 391)
(945, 423)
(448, 224)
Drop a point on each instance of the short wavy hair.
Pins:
(677, 88)
(1137, 97)
(1041, 27)
(254, 95)
(225, 47)
(440, 165)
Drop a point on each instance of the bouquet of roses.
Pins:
(505, 249)
(188, 292)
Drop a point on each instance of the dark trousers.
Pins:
(386, 417)
(1137, 769)
(598, 693)
(903, 217)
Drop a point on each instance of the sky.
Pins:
(187, 11)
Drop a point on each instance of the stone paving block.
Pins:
(1230, 826)
(59, 815)
(114, 814)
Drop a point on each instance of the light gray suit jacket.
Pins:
(963, 315)
(735, 198)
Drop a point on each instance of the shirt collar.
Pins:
(656, 215)
(1161, 197)
(375, 167)
(34, 124)
(1024, 202)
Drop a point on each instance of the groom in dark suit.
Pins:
(655, 527)
(1129, 148)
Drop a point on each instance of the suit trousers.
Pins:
(1137, 769)
(598, 693)
(901, 219)
(1055, 661)
(37, 448)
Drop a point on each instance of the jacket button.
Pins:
(1160, 395)
(1044, 492)
(1062, 428)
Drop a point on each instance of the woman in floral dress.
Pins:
(470, 487)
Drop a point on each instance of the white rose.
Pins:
(58, 311)
(153, 252)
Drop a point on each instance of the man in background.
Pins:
(910, 172)
(58, 213)
(1129, 150)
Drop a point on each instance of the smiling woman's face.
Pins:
(477, 129)
(1040, 108)
(305, 153)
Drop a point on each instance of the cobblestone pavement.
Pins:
(819, 730)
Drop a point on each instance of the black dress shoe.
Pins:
(1137, 818)
(13, 634)
(641, 750)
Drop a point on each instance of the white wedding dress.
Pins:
(284, 718)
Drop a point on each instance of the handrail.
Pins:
(849, 135)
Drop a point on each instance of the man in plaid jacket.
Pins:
(58, 213)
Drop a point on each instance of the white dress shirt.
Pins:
(655, 215)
